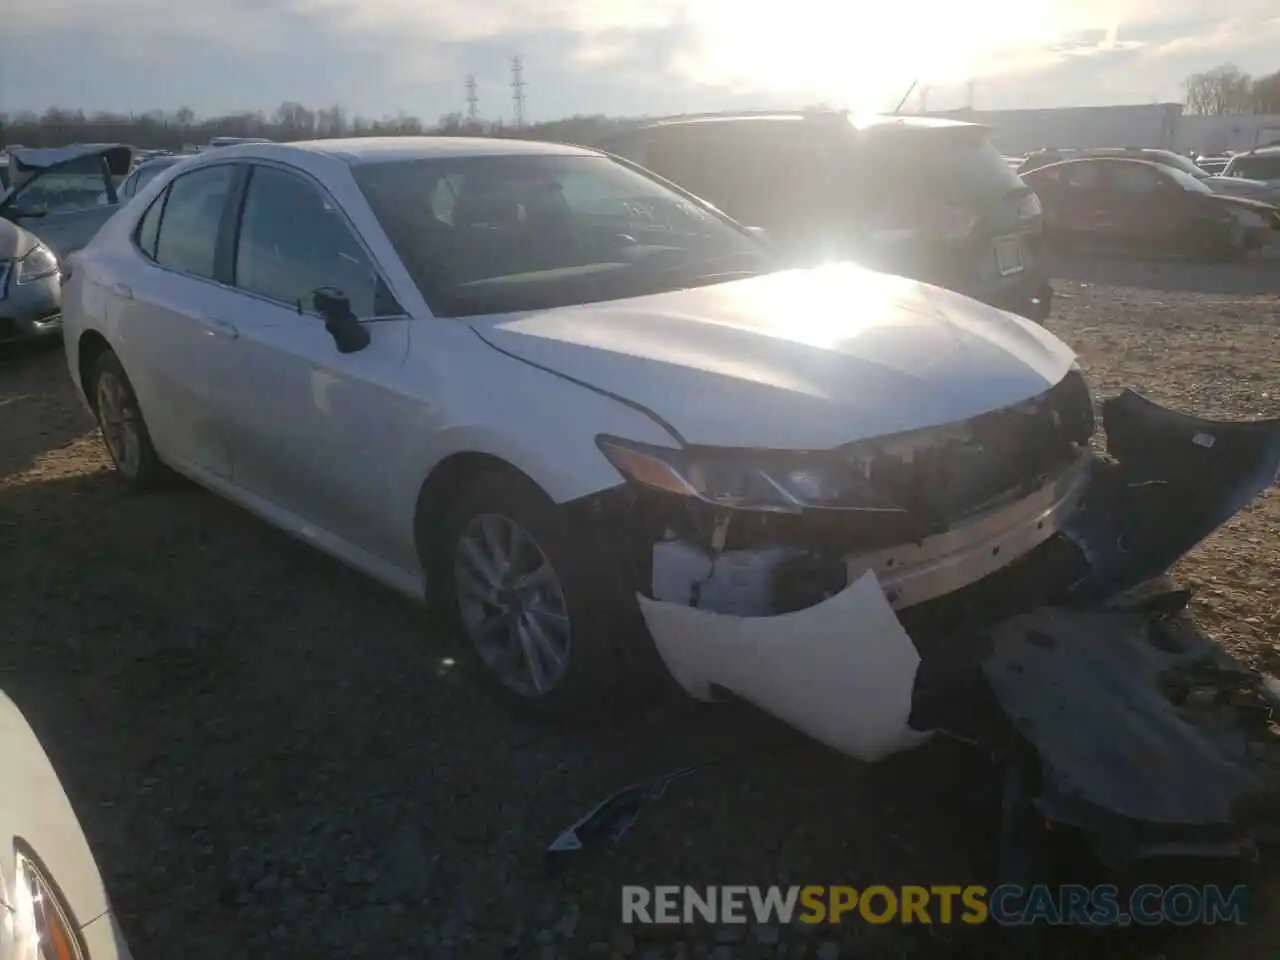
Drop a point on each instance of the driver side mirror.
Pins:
(348, 333)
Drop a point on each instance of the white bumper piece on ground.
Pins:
(841, 671)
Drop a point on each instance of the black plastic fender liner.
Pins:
(1151, 741)
(1178, 478)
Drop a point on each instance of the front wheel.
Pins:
(120, 421)
(543, 616)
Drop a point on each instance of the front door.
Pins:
(314, 431)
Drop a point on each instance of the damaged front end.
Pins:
(972, 579)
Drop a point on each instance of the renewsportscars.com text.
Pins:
(1009, 905)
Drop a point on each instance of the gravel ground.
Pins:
(269, 753)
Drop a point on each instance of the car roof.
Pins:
(162, 161)
(863, 123)
(358, 151)
(1109, 160)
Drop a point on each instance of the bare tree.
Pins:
(290, 121)
(1266, 93)
(1224, 89)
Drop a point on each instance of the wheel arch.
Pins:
(444, 485)
(89, 347)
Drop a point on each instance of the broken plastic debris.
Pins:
(613, 817)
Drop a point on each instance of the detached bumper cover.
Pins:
(1098, 690)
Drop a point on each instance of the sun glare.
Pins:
(857, 54)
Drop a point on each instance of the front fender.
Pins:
(537, 422)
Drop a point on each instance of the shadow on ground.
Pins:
(270, 754)
(29, 425)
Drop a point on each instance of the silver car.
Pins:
(30, 286)
(144, 173)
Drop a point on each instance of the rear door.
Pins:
(173, 343)
(1082, 215)
(1143, 207)
(312, 430)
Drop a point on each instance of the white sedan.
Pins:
(570, 399)
(53, 905)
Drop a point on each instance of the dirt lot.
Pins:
(271, 754)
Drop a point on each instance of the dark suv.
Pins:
(926, 198)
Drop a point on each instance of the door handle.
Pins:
(217, 327)
(122, 290)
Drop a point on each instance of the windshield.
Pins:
(148, 173)
(508, 233)
(1256, 167)
(956, 164)
(1194, 184)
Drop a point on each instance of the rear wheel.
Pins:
(120, 420)
(544, 620)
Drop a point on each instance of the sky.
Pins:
(620, 57)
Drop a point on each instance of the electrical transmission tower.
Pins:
(473, 100)
(517, 90)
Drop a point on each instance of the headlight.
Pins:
(750, 480)
(43, 922)
(1028, 207)
(39, 263)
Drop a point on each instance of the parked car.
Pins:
(218, 142)
(30, 286)
(595, 422)
(1141, 207)
(143, 174)
(1237, 186)
(64, 194)
(53, 905)
(1261, 164)
(926, 198)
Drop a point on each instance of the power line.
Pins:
(517, 90)
(473, 99)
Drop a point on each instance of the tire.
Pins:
(1233, 246)
(605, 653)
(124, 431)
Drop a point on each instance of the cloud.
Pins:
(381, 55)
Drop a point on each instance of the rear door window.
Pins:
(188, 238)
(149, 227)
(1082, 177)
(954, 165)
(1132, 180)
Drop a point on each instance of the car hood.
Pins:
(34, 808)
(1241, 187)
(1246, 203)
(800, 359)
(28, 161)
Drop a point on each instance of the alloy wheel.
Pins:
(120, 422)
(512, 604)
